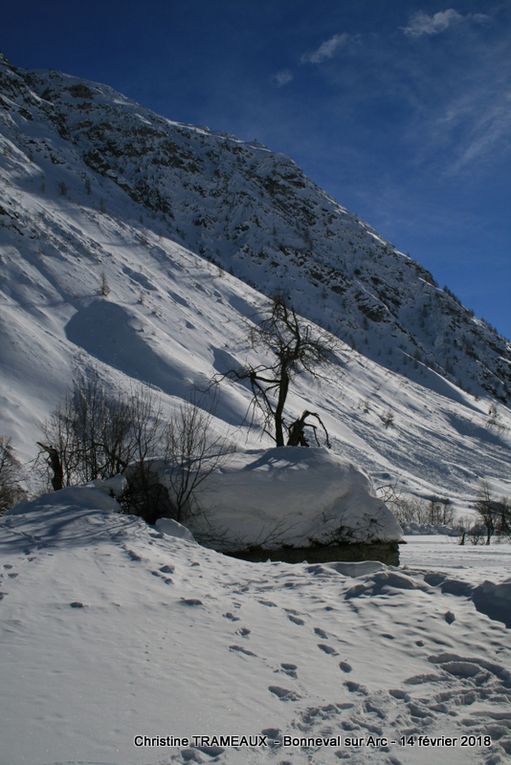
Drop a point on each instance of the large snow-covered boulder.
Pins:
(289, 497)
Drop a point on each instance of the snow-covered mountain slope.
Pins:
(111, 630)
(95, 188)
(257, 215)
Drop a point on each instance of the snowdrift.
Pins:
(289, 497)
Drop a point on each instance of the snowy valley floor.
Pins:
(110, 629)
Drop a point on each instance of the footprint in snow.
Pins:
(243, 631)
(192, 755)
(425, 677)
(211, 751)
(191, 602)
(295, 619)
(355, 687)
(399, 693)
(167, 569)
(284, 694)
(321, 633)
(327, 649)
(240, 649)
(166, 579)
(468, 667)
(268, 603)
(274, 736)
(418, 710)
(231, 617)
(289, 669)
(132, 555)
(345, 667)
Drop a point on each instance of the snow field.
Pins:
(111, 629)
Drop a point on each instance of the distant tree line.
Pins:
(492, 519)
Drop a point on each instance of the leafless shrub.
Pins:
(95, 433)
(438, 511)
(494, 514)
(11, 476)
(387, 418)
(192, 453)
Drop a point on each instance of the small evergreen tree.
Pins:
(104, 289)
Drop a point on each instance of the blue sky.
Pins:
(399, 109)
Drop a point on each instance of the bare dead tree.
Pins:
(297, 430)
(294, 347)
(488, 510)
(54, 462)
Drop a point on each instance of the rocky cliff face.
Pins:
(255, 214)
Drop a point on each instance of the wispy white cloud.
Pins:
(481, 124)
(283, 77)
(423, 24)
(326, 50)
